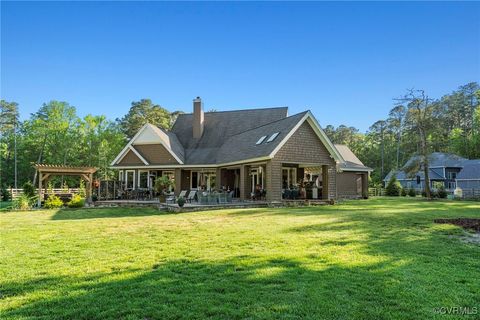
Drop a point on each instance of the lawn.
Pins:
(370, 259)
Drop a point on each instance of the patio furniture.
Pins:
(230, 196)
(222, 197)
(191, 196)
(212, 198)
(170, 198)
(183, 194)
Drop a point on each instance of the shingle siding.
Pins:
(304, 146)
(155, 154)
(131, 159)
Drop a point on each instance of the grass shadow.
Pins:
(96, 213)
(232, 289)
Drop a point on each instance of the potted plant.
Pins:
(181, 202)
(161, 186)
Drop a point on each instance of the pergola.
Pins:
(45, 171)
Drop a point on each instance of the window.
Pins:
(451, 175)
(143, 179)
(261, 140)
(206, 180)
(257, 178)
(289, 177)
(120, 175)
(130, 179)
(273, 136)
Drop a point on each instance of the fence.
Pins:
(375, 192)
(471, 194)
(17, 192)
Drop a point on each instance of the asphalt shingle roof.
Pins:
(351, 160)
(219, 127)
(440, 159)
(471, 170)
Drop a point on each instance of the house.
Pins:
(445, 169)
(243, 150)
(469, 176)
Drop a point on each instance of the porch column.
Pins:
(219, 178)
(365, 185)
(178, 181)
(273, 181)
(325, 182)
(89, 183)
(244, 183)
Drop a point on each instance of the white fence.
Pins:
(375, 192)
(471, 194)
(17, 192)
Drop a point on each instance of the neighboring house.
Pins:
(242, 150)
(445, 169)
(469, 176)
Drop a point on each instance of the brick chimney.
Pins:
(198, 118)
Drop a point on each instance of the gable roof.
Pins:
(436, 160)
(440, 159)
(230, 137)
(243, 146)
(150, 134)
(351, 162)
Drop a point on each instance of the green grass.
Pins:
(5, 205)
(374, 259)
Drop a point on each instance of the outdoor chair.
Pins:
(222, 197)
(183, 194)
(230, 196)
(170, 198)
(191, 196)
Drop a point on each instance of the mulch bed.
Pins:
(466, 223)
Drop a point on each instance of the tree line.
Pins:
(416, 125)
(55, 134)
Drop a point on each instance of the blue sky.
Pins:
(344, 61)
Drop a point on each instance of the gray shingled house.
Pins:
(445, 168)
(243, 150)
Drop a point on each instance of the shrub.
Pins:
(181, 202)
(403, 192)
(424, 194)
(77, 201)
(81, 189)
(411, 192)
(5, 194)
(23, 202)
(29, 189)
(393, 187)
(441, 192)
(53, 202)
(162, 184)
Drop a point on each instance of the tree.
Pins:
(142, 112)
(378, 129)
(393, 188)
(396, 122)
(9, 122)
(420, 118)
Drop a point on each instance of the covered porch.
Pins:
(258, 181)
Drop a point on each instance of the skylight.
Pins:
(261, 140)
(273, 136)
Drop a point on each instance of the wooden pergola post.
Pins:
(39, 201)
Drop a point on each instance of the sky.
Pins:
(344, 61)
